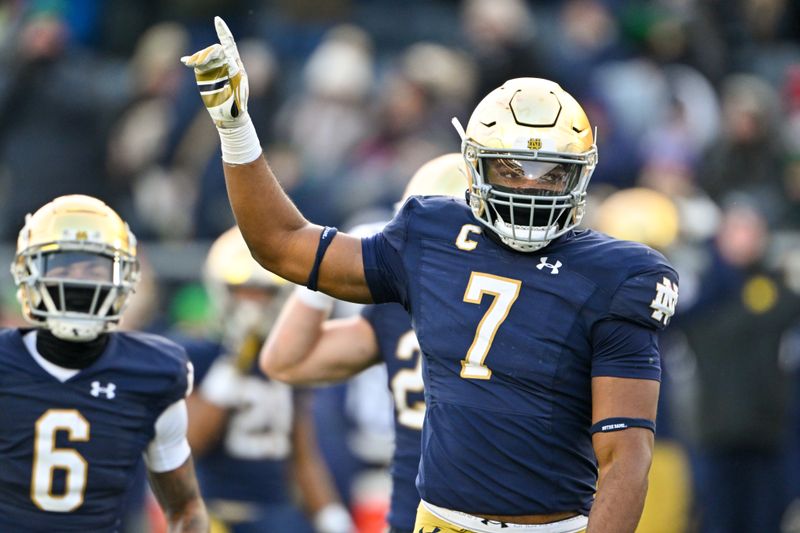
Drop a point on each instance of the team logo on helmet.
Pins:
(535, 144)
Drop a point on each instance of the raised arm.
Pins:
(624, 457)
(278, 235)
(303, 348)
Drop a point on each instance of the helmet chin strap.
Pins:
(527, 247)
(524, 247)
(76, 330)
(498, 236)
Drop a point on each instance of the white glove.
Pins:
(221, 79)
(222, 82)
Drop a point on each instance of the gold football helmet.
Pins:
(641, 215)
(531, 153)
(245, 296)
(445, 175)
(75, 267)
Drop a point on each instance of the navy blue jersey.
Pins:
(69, 451)
(510, 342)
(250, 461)
(399, 348)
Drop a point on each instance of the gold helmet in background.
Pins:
(245, 296)
(230, 264)
(641, 215)
(445, 175)
(75, 267)
(531, 153)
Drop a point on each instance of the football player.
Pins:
(539, 340)
(80, 404)
(253, 437)
(304, 349)
(652, 218)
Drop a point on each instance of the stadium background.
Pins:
(697, 106)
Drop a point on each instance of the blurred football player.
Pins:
(641, 215)
(253, 437)
(80, 404)
(650, 217)
(539, 340)
(304, 349)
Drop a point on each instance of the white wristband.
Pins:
(333, 518)
(240, 145)
(315, 299)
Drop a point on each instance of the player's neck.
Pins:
(69, 354)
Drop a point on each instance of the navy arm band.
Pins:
(325, 240)
(607, 425)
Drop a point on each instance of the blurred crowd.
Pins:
(697, 110)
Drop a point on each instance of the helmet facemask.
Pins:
(528, 197)
(249, 314)
(77, 290)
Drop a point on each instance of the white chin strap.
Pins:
(505, 233)
(76, 330)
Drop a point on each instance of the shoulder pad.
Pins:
(168, 360)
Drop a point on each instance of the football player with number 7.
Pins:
(305, 349)
(540, 340)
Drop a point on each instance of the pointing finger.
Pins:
(225, 36)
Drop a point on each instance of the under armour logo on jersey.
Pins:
(434, 530)
(108, 390)
(553, 268)
(663, 304)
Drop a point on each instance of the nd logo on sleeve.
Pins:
(663, 304)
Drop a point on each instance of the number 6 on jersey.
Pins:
(47, 458)
(505, 292)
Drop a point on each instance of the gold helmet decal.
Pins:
(75, 267)
(534, 144)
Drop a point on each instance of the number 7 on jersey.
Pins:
(505, 292)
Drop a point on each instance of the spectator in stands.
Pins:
(735, 330)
